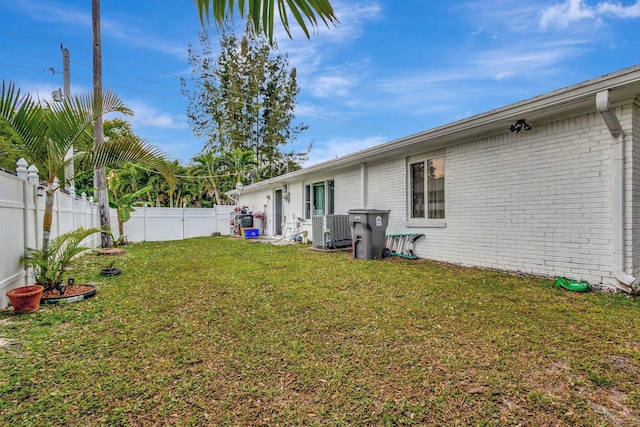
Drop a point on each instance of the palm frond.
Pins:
(261, 13)
(72, 119)
(50, 130)
(24, 116)
(123, 150)
(63, 248)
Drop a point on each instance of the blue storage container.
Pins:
(250, 233)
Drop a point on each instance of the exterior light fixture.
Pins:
(56, 95)
(519, 125)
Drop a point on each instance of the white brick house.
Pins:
(559, 199)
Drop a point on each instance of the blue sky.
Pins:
(389, 69)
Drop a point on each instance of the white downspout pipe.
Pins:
(364, 181)
(626, 281)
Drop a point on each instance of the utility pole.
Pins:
(100, 175)
(69, 170)
(66, 73)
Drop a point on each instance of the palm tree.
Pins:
(207, 164)
(260, 13)
(170, 172)
(49, 130)
(158, 194)
(123, 204)
(238, 162)
(130, 178)
(49, 265)
(191, 193)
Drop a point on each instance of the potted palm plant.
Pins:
(49, 266)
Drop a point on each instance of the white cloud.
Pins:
(136, 36)
(331, 85)
(339, 147)
(524, 59)
(46, 11)
(564, 14)
(310, 56)
(148, 116)
(493, 17)
(436, 91)
(617, 10)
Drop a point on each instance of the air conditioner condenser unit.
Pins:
(330, 231)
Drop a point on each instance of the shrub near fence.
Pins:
(22, 211)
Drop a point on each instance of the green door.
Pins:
(318, 198)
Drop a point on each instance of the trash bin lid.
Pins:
(368, 211)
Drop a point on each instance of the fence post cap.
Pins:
(32, 174)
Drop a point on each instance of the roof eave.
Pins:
(573, 99)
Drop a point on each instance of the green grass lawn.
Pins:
(223, 332)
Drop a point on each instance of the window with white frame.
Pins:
(319, 199)
(427, 193)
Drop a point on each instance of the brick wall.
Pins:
(537, 202)
(388, 191)
(348, 190)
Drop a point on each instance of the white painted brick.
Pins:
(538, 202)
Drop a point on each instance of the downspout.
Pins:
(364, 183)
(626, 281)
(236, 202)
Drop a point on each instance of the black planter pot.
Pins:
(109, 272)
(91, 291)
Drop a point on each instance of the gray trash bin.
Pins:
(369, 233)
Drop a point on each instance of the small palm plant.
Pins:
(49, 265)
(123, 204)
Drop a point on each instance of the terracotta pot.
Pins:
(25, 299)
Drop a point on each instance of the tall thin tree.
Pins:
(244, 99)
(98, 130)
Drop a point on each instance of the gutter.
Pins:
(626, 282)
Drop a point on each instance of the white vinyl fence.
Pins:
(22, 211)
(160, 224)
